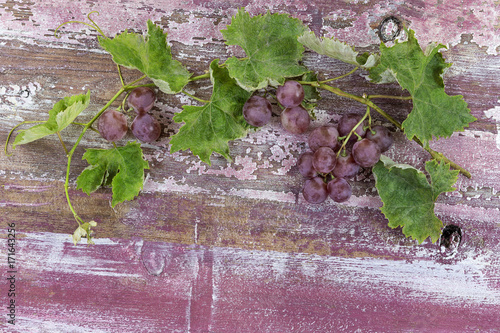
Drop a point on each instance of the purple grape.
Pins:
(315, 190)
(346, 167)
(381, 136)
(295, 120)
(324, 160)
(290, 94)
(339, 190)
(141, 99)
(366, 153)
(257, 111)
(305, 165)
(347, 123)
(324, 136)
(112, 125)
(146, 128)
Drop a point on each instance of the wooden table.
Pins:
(233, 247)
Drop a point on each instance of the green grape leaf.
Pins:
(270, 43)
(150, 55)
(62, 114)
(120, 167)
(434, 113)
(409, 199)
(208, 128)
(336, 49)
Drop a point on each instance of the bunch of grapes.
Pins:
(112, 124)
(329, 165)
(337, 153)
(257, 110)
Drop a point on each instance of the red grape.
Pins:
(339, 190)
(315, 190)
(112, 125)
(346, 167)
(290, 94)
(324, 136)
(347, 123)
(146, 128)
(141, 99)
(381, 136)
(305, 165)
(324, 160)
(295, 120)
(366, 153)
(257, 111)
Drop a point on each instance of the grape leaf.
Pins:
(150, 55)
(338, 50)
(208, 128)
(270, 43)
(120, 167)
(434, 113)
(62, 114)
(84, 231)
(409, 198)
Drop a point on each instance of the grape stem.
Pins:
(195, 98)
(85, 128)
(200, 77)
(93, 25)
(14, 128)
(75, 145)
(353, 131)
(403, 98)
(366, 101)
(62, 142)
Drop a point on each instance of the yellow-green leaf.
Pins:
(62, 114)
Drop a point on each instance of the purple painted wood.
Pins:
(233, 247)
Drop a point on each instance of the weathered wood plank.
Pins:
(233, 247)
(140, 286)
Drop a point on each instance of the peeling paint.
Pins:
(494, 114)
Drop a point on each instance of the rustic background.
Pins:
(233, 247)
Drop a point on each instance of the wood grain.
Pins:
(233, 247)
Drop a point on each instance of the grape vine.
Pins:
(337, 152)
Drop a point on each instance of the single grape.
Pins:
(290, 94)
(146, 128)
(305, 165)
(366, 153)
(339, 190)
(381, 136)
(257, 111)
(346, 166)
(347, 123)
(295, 120)
(324, 160)
(315, 190)
(141, 99)
(112, 125)
(324, 136)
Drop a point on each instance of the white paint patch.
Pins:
(14, 98)
(488, 215)
(466, 281)
(51, 256)
(171, 185)
(263, 195)
(32, 325)
(495, 115)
